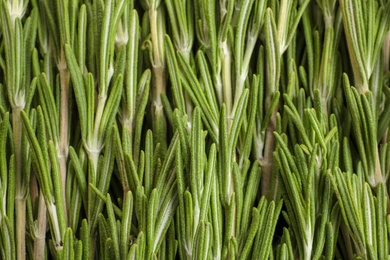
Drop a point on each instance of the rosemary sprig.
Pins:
(194, 129)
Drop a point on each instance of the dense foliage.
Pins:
(194, 129)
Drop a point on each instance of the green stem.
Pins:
(94, 146)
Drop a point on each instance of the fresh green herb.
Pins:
(193, 129)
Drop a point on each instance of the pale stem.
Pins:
(226, 75)
(40, 235)
(218, 89)
(308, 243)
(20, 191)
(20, 205)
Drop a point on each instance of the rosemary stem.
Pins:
(39, 243)
(267, 161)
(99, 113)
(189, 105)
(92, 246)
(386, 52)
(20, 192)
(64, 121)
(94, 144)
(226, 75)
(159, 77)
(158, 62)
(347, 239)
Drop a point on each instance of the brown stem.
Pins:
(92, 246)
(266, 163)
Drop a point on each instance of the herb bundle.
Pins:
(194, 129)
